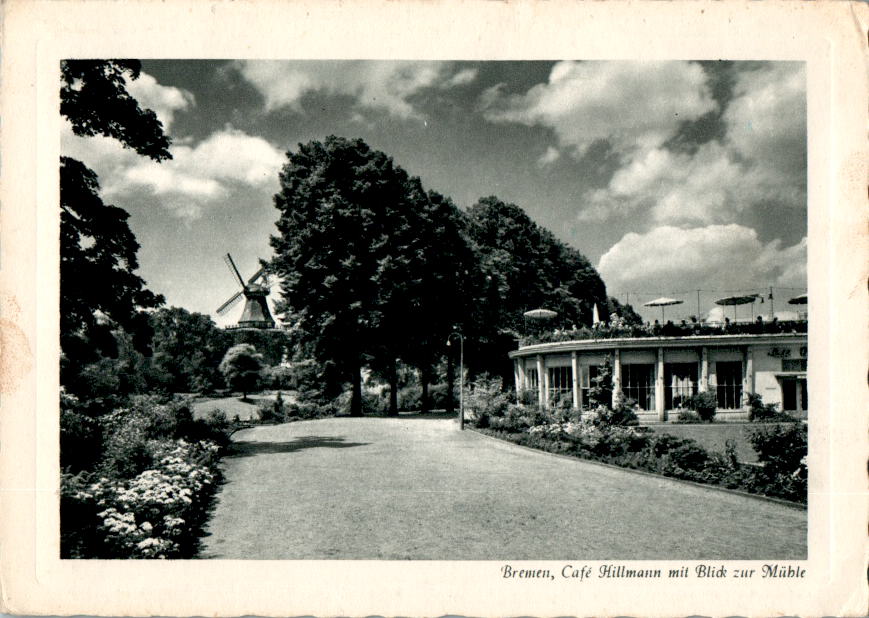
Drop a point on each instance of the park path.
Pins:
(417, 488)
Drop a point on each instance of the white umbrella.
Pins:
(540, 314)
(663, 302)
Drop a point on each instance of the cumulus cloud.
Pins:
(710, 257)
(200, 174)
(383, 85)
(762, 158)
(164, 100)
(635, 106)
(196, 176)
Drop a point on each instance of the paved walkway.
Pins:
(417, 488)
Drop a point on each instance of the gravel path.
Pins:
(417, 488)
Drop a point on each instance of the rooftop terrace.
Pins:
(669, 329)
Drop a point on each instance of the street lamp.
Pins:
(461, 377)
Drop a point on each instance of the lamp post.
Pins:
(461, 377)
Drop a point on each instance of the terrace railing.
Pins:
(605, 331)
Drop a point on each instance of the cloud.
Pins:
(164, 100)
(198, 175)
(722, 257)
(549, 157)
(704, 187)
(635, 106)
(381, 85)
(761, 159)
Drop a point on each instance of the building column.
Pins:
(574, 368)
(541, 393)
(617, 377)
(523, 381)
(748, 375)
(516, 379)
(659, 386)
(703, 382)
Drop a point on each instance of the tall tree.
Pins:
(525, 267)
(335, 251)
(99, 287)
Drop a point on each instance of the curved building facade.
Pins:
(660, 373)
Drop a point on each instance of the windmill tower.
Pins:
(256, 312)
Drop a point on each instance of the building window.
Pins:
(638, 383)
(794, 364)
(728, 375)
(560, 383)
(795, 395)
(680, 384)
(588, 375)
(531, 379)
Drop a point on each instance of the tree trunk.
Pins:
(356, 393)
(425, 404)
(393, 388)
(451, 380)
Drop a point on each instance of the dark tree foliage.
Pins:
(241, 367)
(187, 348)
(334, 251)
(525, 267)
(624, 311)
(99, 288)
(94, 98)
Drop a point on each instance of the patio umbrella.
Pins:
(737, 300)
(540, 314)
(802, 299)
(663, 302)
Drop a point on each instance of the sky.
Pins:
(671, 177)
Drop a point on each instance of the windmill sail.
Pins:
(256, 312)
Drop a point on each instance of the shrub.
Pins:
(769, 412)
(687, 416)
(438, 395)
(278, 377)
(409, 398)
(80, 441)
(781, 448)
(623, 414)
(485, 397)
(705, 404)
(273, 411)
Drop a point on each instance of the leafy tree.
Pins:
(624, 311)
(345, 251)
(524, 267)
(99, 288)
(95, 100)
(241, 368)
(187, 349)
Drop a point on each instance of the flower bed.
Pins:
(156, 514)
(782, 451)
(149, 493)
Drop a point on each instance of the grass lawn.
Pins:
(714, 436)
(234, 405)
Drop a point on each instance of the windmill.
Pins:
(256, 311)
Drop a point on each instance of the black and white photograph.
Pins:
(433, 308)
(350, 309)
